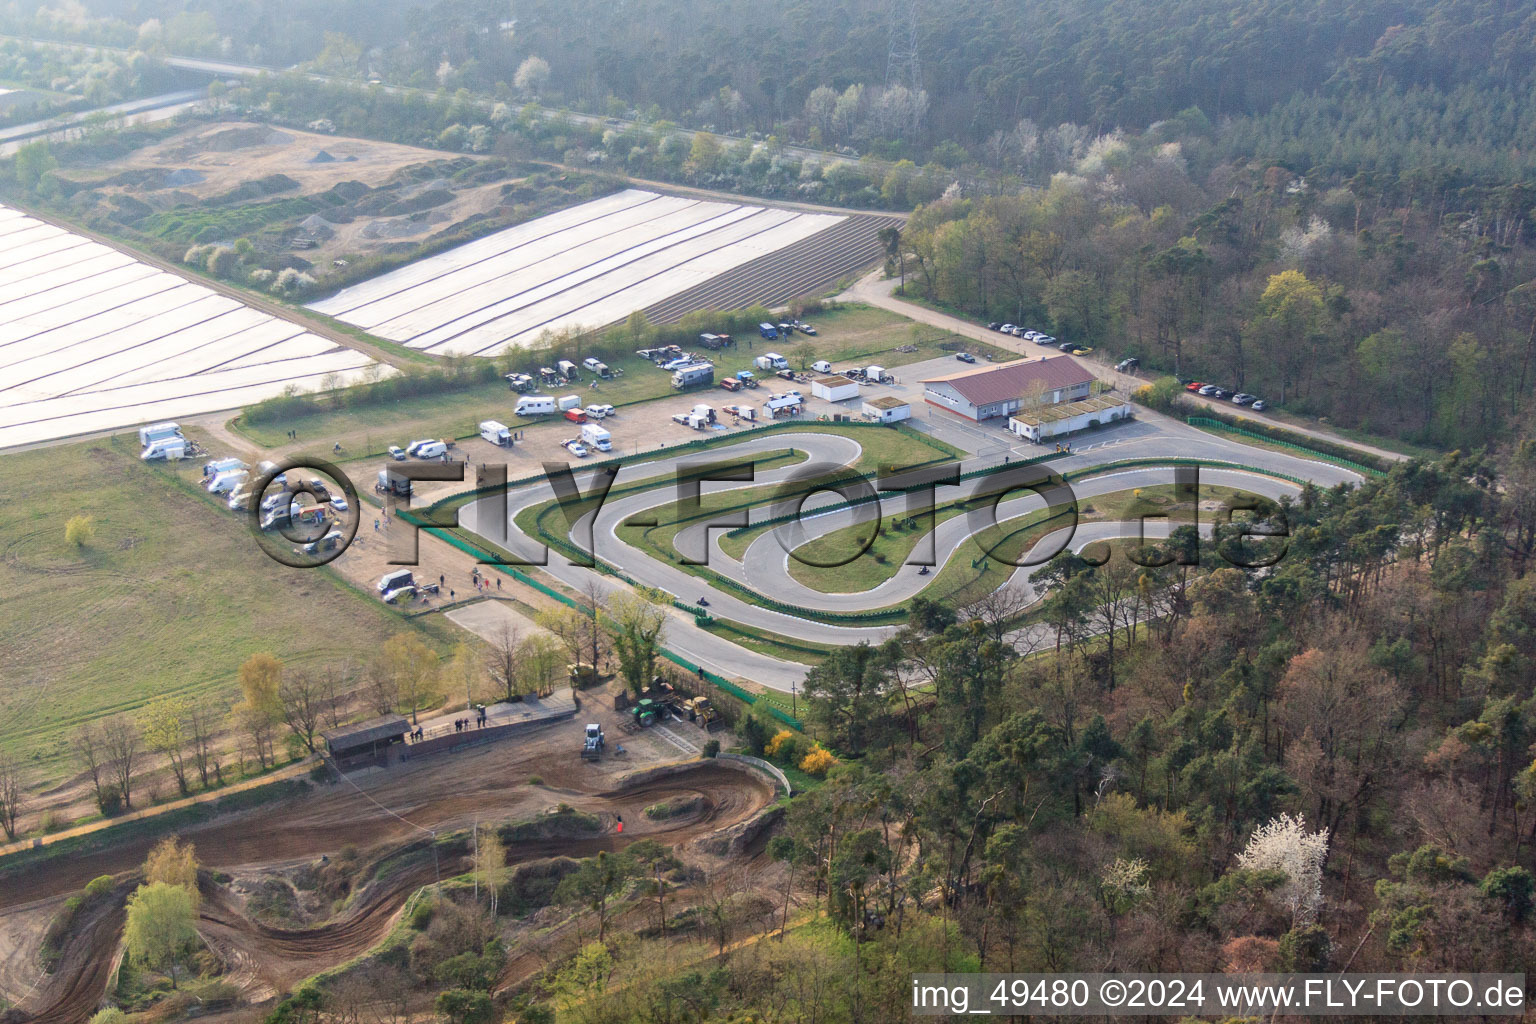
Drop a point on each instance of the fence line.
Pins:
(1208, 423)
(759, 763)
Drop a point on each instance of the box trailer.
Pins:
(391, 482)
(569, 402)
(693, 375)
(496, 433)
(535, 405)
(596, 437)
(771, 361)
(834, 388)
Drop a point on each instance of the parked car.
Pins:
(576, 448)
(596, 412)
(339, 504)
(1044, 339)
(397, 453)
(1067, 346)
(1030, 335)
(1007, 328)
(807, 329)
(1208, 390)
(1258, 405)
(994, 326)
(1128, 364)
(1220, 393)
(1081, 351)
(965, 357)
(1194, 385)
(1243, 398)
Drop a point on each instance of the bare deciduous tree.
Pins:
(501, 661)
(122, 743)
(10, 795)
(86, 743)
(302, 701)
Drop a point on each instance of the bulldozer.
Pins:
(700, 710)
(592, 749)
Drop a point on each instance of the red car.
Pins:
(1194, 385)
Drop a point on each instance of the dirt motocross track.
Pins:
(264, 960)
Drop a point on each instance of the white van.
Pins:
(822, 366)
(535, 405)
(156, 431)
(496, 433)
(167, 448)
(432, 450)
(395, 580)
(225, 483)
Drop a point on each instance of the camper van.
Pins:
(692, 375)
(535, 405)
(167, 448)
(155, 431)
(496, 433)
(225, 483)
(597, 437)
(217, 466)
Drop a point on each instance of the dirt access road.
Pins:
(383, 813)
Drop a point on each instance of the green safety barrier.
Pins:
(672, 656)
(1211, 424)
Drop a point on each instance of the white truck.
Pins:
(168, 448)
(535, 405)
(693, 375)
(771, 361)
(496, 433)
(156, 431)
(594, 436)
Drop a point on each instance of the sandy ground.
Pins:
(379, 811)
(206, 161)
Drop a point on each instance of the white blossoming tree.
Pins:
(1285, 845)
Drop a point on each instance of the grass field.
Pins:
(167, 600)
(890, 549)
(856, 335)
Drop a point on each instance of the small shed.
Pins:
(1047, 421)
(366, 743)
(835, 388)
(887, 409)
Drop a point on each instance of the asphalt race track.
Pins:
(764, 565)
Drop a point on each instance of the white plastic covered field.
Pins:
(586, 266)
(91, 339)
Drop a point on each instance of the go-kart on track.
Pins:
(763, 567)
(586, 266)
(267, 960)
(93, 339)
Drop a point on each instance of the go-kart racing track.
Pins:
(264, 960)
(764, 566)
